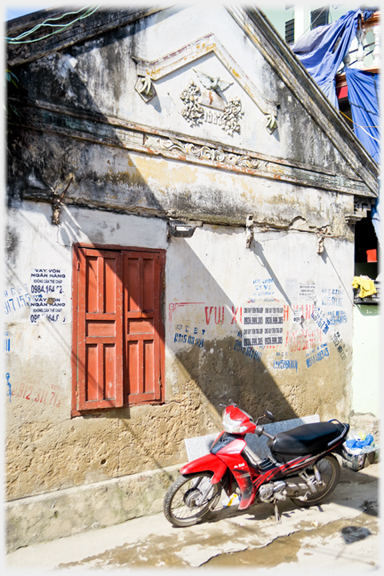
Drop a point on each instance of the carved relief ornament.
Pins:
(194, 113)
(210, 153)
(157, 69)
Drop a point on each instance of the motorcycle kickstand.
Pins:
(277, 515)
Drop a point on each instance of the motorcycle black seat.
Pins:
(304, 440)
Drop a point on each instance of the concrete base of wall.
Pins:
(67, 512)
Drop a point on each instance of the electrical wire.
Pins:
(18, 39)
(357, 126)
(312, 23)
(362, 127)
(45, 23)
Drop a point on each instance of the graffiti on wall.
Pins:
(9, 391)
(215, 313)
(321, 319)
(16, 298)
(332, 297)
(191, 335)
(316, 355)
(263, 289)
(7, 342)
(301, 312)
(173, 306)
(305, 339)
(337, 317)
(246, 350)
(339, 344)
(303, 324)
(48, 297)
(282, 362)
(48, 397)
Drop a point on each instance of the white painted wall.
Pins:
(366, 360)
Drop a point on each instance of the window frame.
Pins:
(76, 249)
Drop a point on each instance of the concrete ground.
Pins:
(340, 534)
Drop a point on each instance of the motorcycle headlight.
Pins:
(232, 426)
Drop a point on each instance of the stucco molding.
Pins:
(110, 131)
(150, 71)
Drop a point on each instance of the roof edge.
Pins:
(99, 22)
(293, 73)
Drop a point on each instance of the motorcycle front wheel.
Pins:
(329, 469)
(190, 498)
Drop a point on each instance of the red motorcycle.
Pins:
(302, 466)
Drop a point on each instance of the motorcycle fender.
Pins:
(209, 463)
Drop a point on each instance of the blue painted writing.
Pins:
(320, 353)
(285, 364)
(321, 320)
(247, 351)
(9, 386)
(185, 339)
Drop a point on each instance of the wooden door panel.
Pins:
(148, 301)
(100, 329)
(149, 367)
(133, 369)
(142, 320)
(96, 328)
(139, 326)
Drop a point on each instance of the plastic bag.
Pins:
(358, 439)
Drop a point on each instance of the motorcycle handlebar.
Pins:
(260, 431)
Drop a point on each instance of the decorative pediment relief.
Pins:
(210, 93)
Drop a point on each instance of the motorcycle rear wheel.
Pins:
(329, 469)
(186, 501)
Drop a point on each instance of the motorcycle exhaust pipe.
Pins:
(294, 489)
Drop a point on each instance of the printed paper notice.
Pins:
(47, 295)
(262, 325)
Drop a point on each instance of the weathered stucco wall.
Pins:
(129, 166)
(101, 76)
(210, 278)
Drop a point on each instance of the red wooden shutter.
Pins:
(100, 342)
(143, 335)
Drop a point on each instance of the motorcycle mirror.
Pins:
(259, 431)
(269, 415)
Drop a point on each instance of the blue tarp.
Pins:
(321, 51)
(363, 97)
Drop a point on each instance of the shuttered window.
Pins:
(118, 336)
(290, 31)
(319, 17)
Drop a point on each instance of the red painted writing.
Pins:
(174, 305)
(28, 392)
(219, 314)
(303, 339)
